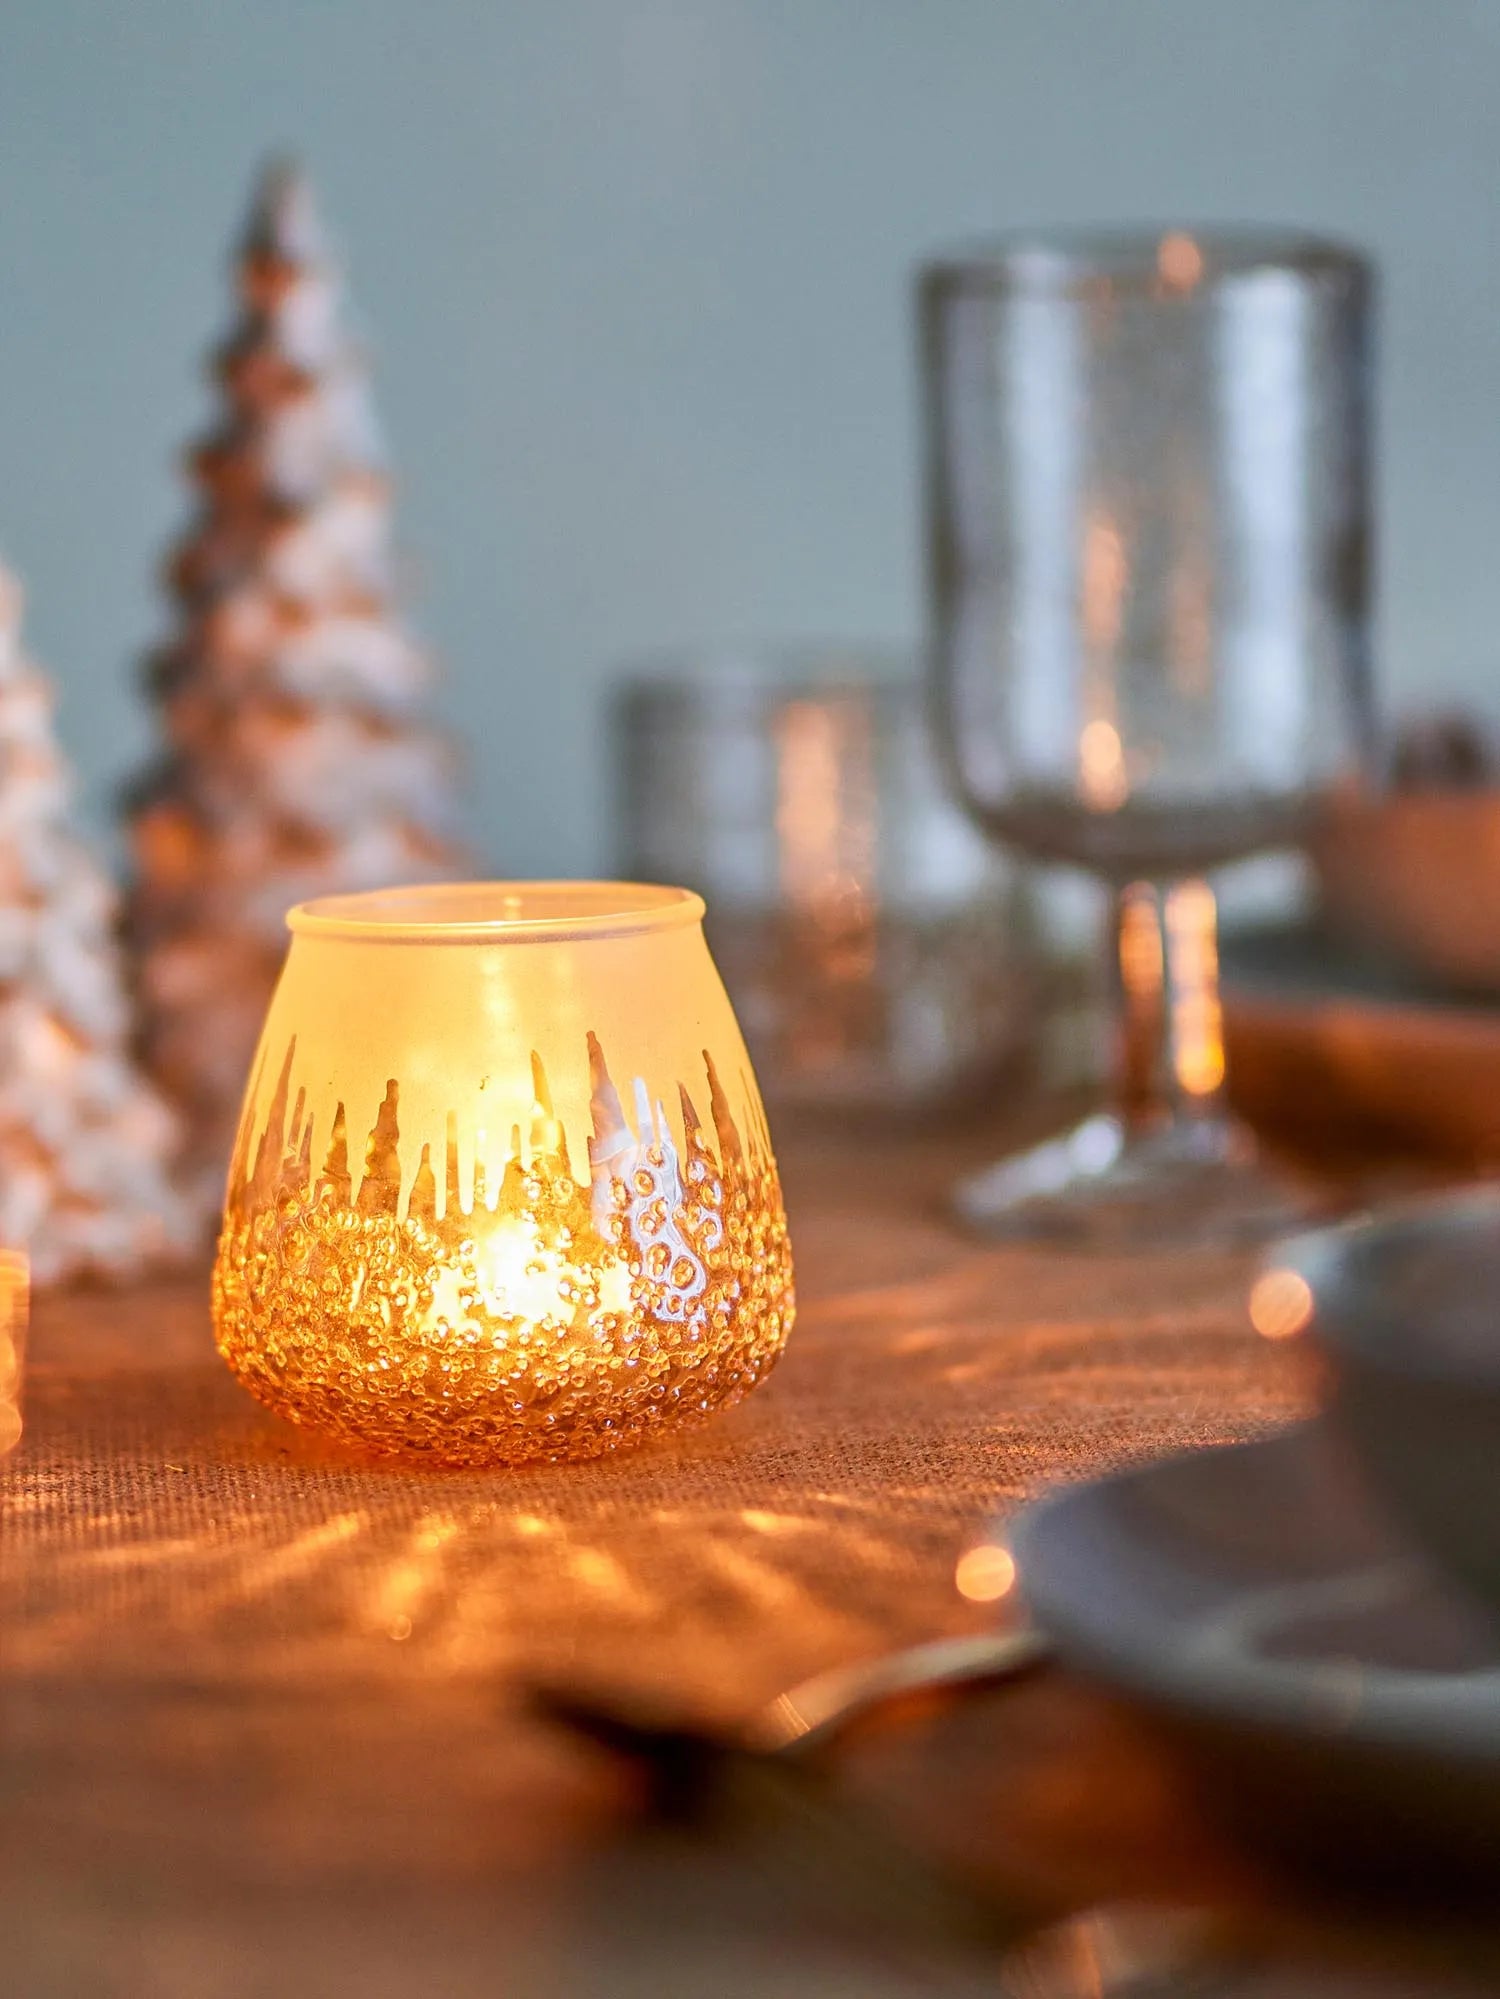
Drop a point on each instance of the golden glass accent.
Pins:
(544, 1250)
(15, 1303)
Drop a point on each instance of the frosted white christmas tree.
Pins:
(296, 762)
(83, 1139)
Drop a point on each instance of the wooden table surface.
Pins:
(261, 1725)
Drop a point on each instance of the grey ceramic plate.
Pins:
(1405, 1314)
(1338, 1707)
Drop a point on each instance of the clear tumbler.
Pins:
(875, 947)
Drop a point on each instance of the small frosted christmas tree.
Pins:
(296, 763)
(83, 1140)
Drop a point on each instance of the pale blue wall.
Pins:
(637, 278)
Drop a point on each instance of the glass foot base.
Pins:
(1190, 1185)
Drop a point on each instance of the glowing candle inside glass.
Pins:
(565, 1231)
(15, 1293)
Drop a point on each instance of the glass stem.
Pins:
(1169, 1032)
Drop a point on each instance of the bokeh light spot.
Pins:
(985, 1574)
(1281, 1304)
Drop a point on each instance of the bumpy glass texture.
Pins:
(550, 1318)
(1149, 540)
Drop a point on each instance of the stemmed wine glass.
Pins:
(1149, 534)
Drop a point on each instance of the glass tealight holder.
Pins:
(503, 1191)
(876, 947)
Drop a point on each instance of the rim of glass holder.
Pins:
(1177, 260)
(733, 680)
(497, 912)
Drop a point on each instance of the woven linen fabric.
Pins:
(155, 1515)
(231, 1661)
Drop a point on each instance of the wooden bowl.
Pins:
(1417, 877)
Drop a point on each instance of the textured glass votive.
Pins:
(503, 1190)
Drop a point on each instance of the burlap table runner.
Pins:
(233, 1667)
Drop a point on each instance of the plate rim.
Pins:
(1171, 1679)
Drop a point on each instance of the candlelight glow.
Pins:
(1142, 969)
(1101, 767)
(985, 1574)
(1106, 572)
(1281, 1304)
(1103, 779)
(1197, 1014)
(14, 1305)
(826, 809)
(1179, 262)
